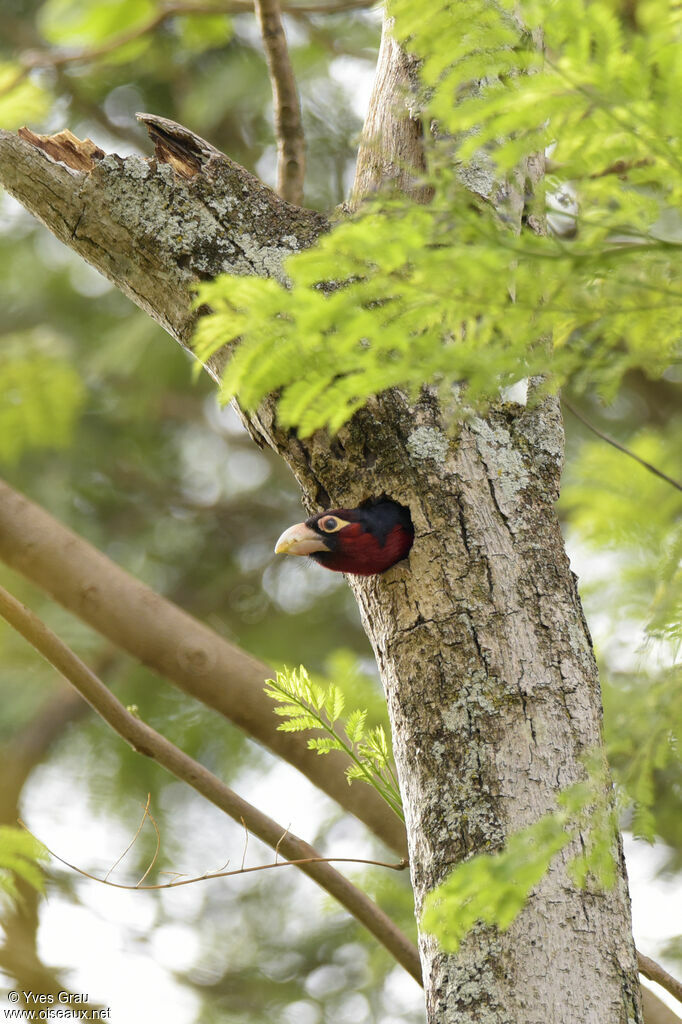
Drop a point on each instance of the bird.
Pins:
(363, 541)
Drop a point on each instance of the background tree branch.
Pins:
(654, 972)
(147, 741)
(655, 1010)
(172, 643)
(286, 103)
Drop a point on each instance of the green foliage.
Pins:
(306, 705)
(631, 520)
(198, 34)
(493, 888)
(21, 100)
(617, 507)
(21, 855)
(40, 399)
(643, 726)
(601, 95)
(87, 22)
(417, 294)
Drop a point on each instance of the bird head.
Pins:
(363, 541)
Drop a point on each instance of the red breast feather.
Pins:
(379, 535)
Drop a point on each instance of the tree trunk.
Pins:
(487, 665)
(482, 646)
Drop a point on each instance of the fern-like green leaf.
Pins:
(355, 726)
(300, 724)
(307, 706)
(420, 293)
(324, 744)
(334, 704)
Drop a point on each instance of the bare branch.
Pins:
(145, 740)
(171, 643)
(654, 972)
(621, 447)
(286, 104)
(280, 842)
(157, 227)
(246, 843)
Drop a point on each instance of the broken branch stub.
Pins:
(155, 226)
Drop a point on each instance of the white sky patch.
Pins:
(356, 77)
(95, 943)
(401, 991)
(656, 906)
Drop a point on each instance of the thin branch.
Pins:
(287, 106)
(246, 843)
(173, 644)
(621, 448)
(148, 814)
(134, 840)
(147, 741)
(654, 972)
(278, 844)
(210, 875)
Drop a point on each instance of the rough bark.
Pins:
(483, 649)
(155, 227)
(400, 164)
(490, 678)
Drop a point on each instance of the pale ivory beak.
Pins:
(299, 540)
